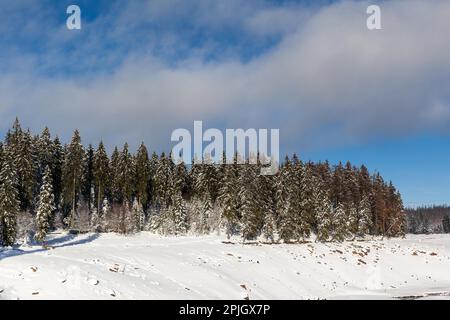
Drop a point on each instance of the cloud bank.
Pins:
(138, 70)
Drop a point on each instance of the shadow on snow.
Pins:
(54, 243)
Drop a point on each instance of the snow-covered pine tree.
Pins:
(94, 213)
(295, 219)
(125, 223)
(101, 174)
(323, 211)
(365, 217)
(395, 219)
(45, 207)
(287, 219)
(181, 178)
(88, 177)
(179, 215)
(211, 178)
(138, 216)
(206, 211)
(58, 160)
(308, 188)
(340, 224)
(337, 185)
(105, 216)
(9, 203)
(114, 178)
(45, 152)
(350, 192)
(24, 162)
(266, 195)
(352, 220)
(269, 229)
(229, 198)
(22, 152)
(125, 175)
(252, 216)
(142, 171)
(73, 174)
(153, 163)
(163, 182)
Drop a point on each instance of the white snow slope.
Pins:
(148, 266)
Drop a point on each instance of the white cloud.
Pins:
(328, 80)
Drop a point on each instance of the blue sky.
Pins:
(139, 69)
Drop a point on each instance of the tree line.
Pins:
(428, 219)
(46, 185)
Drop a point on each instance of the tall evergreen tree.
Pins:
(364, 217)
(114, 178)
(9, 203)
(229, 198)
(286, 190)
(324, 212)
(142, 171)
(125, 175)
(101, 173)
(163, 182)
(88, 176)
(46, 206)
(179, 214)
(266, 195)
(45, 152)
(340, 229)
(24, 162)
(73, 175)
(58, 161)
(138, 216)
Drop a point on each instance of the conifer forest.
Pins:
(45, 185)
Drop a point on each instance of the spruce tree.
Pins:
(324, 214)
(204, 216)
(266, 194)
(114, 175)
(125, 175)
(252, 216)
(104, 215)
(179, 215)
(353, 220)
(229, 199)
(142, 171)
(46, 206)
(9, 203)
(340, 230)
(181, 178)
(163, 182)
(58, 160)
(364, 217)
(88, 176)
(94, 213)
(45, 152)
(101, 173)
(73, 174)
(138, 216)
(286, 190)
(24, 162)
(153, 163)
(296, 217)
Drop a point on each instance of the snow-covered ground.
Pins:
(148, 266)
